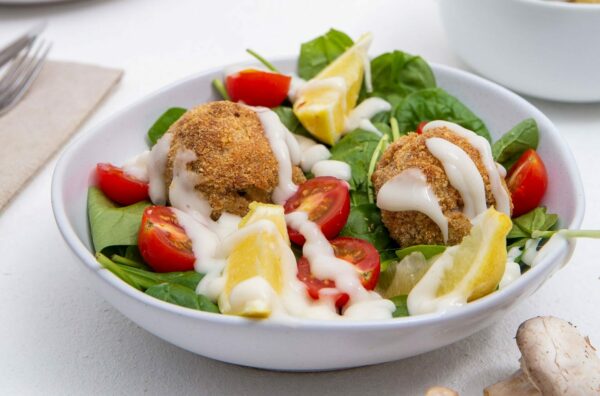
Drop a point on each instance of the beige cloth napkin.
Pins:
(58, 102)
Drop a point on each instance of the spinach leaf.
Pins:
(291, 122)
(142, 279)
(536, 220)
(110, 224)
(397, 74)
(182, 296)
(436, 104)
(401, 306)
(356, 149)
(163, 123)
(316, 54)
(512, 144)
(365, 223)
(426, 250)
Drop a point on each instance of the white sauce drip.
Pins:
(410, 191)
(363, 304)
(313, 155)
(335, 84)
(138, 166)
(182, 191)
(338, 169)
(512, 271)
(530, 252)
(285, 149)
(368, 126)
(364, 112)
(157, 165)
(483, 146)
(423, 297)
(295, 86)
(462, 174)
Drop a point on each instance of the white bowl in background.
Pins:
(303, 345)
(547, 49)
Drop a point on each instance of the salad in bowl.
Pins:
(356, 189)
(257, 215)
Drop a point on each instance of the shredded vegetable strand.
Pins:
(262, 60)
(378, 149)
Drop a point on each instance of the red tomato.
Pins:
(163, 243)
(119, 186)
(258, 88)
(361, 253)
(527, 181)
(421, 126)
(326, 199)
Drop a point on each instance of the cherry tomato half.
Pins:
(119, 186)
(163, 243)
(258, 88)
(361, 253)
(527, 181)
(326, 199)
(421, 126)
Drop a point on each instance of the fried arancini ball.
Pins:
(235, 164)
(410, 228)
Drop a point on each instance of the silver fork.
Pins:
(21, 73)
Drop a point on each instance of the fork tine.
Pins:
(26, 79)
(25, 64)
(14, 68)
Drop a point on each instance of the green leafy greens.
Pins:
(397, 74)
(111, 225)
(364, 222)
(316, 54)
(174, 287)
(164, 122)
(436, 104)
(401, 306)
(523, 136)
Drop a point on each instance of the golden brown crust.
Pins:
(235, 164)
(413, 228)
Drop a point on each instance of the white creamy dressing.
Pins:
(157, 165)
(138, 166)
(182, 191)
(363, 304)
(296, 85)
(423, 297)
(410, 191)
(335, 84)
(530, 252)
(313, 155)
(462, 174)
(334, 168)
(364, 112)
(512, 271)
(285, 149)
(483, 146)
(368, 126)
(555, 242)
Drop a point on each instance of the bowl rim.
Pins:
(586, 7)
(494, 300)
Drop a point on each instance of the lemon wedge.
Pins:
(324, 102)
(253, 273)
(467, 271)
(261, 211)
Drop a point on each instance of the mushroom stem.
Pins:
(517, 384)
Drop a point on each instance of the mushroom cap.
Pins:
(440, 391)
(557, 359)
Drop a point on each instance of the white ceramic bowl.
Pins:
(303, 344)
(548, 49)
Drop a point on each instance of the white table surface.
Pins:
(57, 336)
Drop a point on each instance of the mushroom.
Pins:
(556, 361)
(440, 391)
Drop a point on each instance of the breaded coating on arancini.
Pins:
(235, 164)
(410, 228)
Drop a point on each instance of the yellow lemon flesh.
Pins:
(257, 254)
(324, 102)
(480, 260)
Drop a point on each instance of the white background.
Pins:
(57, 336)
